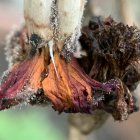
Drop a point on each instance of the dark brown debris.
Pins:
(113, 52)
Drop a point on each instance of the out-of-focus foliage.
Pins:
(24, 124)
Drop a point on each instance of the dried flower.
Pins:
(113, 51)
(49, 72)
(112, 47)
(72, 91)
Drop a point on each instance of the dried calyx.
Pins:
(44, 73)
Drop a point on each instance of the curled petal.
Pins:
(23, 76)
(72, 89)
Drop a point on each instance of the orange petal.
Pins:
(25, 75)
(72, 89)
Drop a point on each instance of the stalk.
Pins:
(57, 22)
(54, 19)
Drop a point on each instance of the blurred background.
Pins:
(41, 123)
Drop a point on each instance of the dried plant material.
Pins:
(90, 41)
(15, 45)
(23, 76)
(113, 50)
(39, 98)
(132, 78)
(111, 47)
(72, 90)
(48, 71)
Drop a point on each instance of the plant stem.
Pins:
(75, 134)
